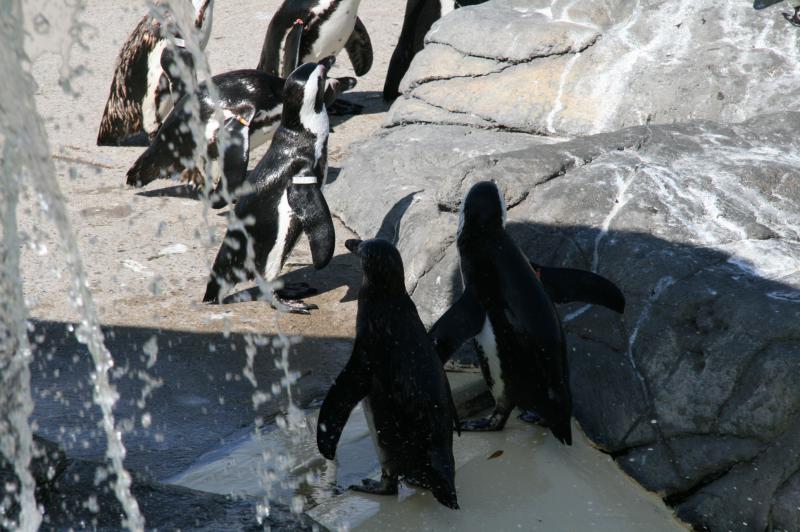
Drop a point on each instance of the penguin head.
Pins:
(381, 263)
(304, 96)
(483, 209)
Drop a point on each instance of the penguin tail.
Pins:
(212, 291)
(146, 169)
(562, 431)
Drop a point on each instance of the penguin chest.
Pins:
(283, 219)
(383, 456)
(336, 22)
(487, 345)
(157, 101)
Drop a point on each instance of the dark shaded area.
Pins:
(194, 390)
(177, 191)
(342, 270)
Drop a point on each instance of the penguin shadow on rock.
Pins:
(343, 269)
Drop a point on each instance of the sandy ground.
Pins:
(146, 252)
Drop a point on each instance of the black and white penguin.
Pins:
(793, 18)
(284, 195)
(171, 151)
(505, 308)
(420, 16)
(140, 96)
(396, 371)
(303, 31)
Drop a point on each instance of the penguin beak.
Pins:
(352, 245)
(327, 63)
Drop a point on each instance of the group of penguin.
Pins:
(396, 367)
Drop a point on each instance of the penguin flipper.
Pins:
(309, 205)
(335, 86)
(350, 387)
(762, 4)
(291, 48)
(175, 62)
(461, 322)
(566, 285)
(237, 154)
(359, 49)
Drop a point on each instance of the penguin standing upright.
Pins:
(140, 97)
(396, 371)
(308, 30)
(285, 195)
(172, 149)
(420, 16)
(520, 341)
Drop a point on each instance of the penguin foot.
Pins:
(384, 486)
(295, 291)
(529, 416)
(293, 306)
(344, 108)
(494, 422)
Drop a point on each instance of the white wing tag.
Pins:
(304, 180)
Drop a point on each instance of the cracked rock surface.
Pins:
(561, 67)
(695, 390)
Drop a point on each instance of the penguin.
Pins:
(793, 18)
(505, 308)
(139, 98)
(284, 198)
(762, 4)
(395, 370)
(309, 30)
(419, 17)
(173, 146)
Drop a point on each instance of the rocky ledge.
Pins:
(695, 390)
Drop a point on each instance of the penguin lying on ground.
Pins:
(140, 95)
(285, 196)
(420, 16)
(396, 371)
(308, 30)
(173, 147)
(509, 312)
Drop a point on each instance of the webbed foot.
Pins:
(385, 486)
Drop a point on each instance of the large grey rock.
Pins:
(695, 390)
(567, 68)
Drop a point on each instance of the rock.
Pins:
(585, 67)
(695, 390)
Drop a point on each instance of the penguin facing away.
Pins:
(140, 98)
(419, 17)
(308, 30)
(284, 197)
(395, 370)
(505, 308)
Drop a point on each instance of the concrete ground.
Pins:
(147, 255)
